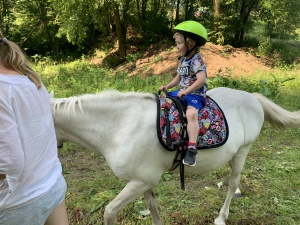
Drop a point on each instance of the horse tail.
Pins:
(276, 115)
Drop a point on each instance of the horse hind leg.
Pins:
(130, 192)
(236, 164)
(152, 206)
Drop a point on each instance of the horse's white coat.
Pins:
(122, 127)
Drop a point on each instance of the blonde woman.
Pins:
(32, 188)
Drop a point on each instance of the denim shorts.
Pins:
(193, 100)
(37, 211)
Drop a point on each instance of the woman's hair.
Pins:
(12, 57)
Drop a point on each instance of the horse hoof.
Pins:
(219, 222)
(237, 195)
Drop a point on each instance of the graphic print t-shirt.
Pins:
(188, 69)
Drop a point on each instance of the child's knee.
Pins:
(192, 113)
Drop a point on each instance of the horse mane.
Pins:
(105, 97)
(114, 95)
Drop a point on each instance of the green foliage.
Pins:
(68, 29)
(77, 20)
(265, 46)
(81, 76)
(269, 86)
(73, 78)
(250, 41)
(285, 52)
(111, 61)
(132, 57)
(282, 18)
(152, 33)
(102, 199)
(279, 51)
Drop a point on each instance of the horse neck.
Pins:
(103, 122)
(75, 126)
(92, 127)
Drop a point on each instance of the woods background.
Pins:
(59, 28)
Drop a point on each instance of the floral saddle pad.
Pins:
(213, 127)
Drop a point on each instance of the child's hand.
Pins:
(181, 93)
(161, 88)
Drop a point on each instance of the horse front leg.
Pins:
(152, 206)
(130, 192)
(236, 164)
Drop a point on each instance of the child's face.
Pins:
(180, 44)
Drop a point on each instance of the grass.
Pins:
(269, 184)
(270, 180)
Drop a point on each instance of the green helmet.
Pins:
(193, 30)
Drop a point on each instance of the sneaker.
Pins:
(190, 157)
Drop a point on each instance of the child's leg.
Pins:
(192, 126)
(192, 129)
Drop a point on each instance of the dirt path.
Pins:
(230, 61)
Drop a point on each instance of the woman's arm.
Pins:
(11, 152)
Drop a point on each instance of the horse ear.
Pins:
(51, 94)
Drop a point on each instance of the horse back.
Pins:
(243, 112)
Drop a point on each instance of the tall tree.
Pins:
(51, 25)
(244, 8)
(217, 8)
(120, 18)
(6, 15)
(177, 12)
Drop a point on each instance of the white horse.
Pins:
(122, 128)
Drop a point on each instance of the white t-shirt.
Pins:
(28, 148)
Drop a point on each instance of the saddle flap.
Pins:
(213, 127)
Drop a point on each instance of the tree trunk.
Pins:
(144, 6)
(246, 8)
(138, 10)
(218, 36)
(217, 11)
(121, 33)
(5, 12)
(177, 12)
(186, 10)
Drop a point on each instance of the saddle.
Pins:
(172, 128)
(171, 124)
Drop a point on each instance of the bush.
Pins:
(287, 52)
(265, 46)
(279, 51)
(269, 86)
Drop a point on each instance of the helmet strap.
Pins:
(189, 51)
